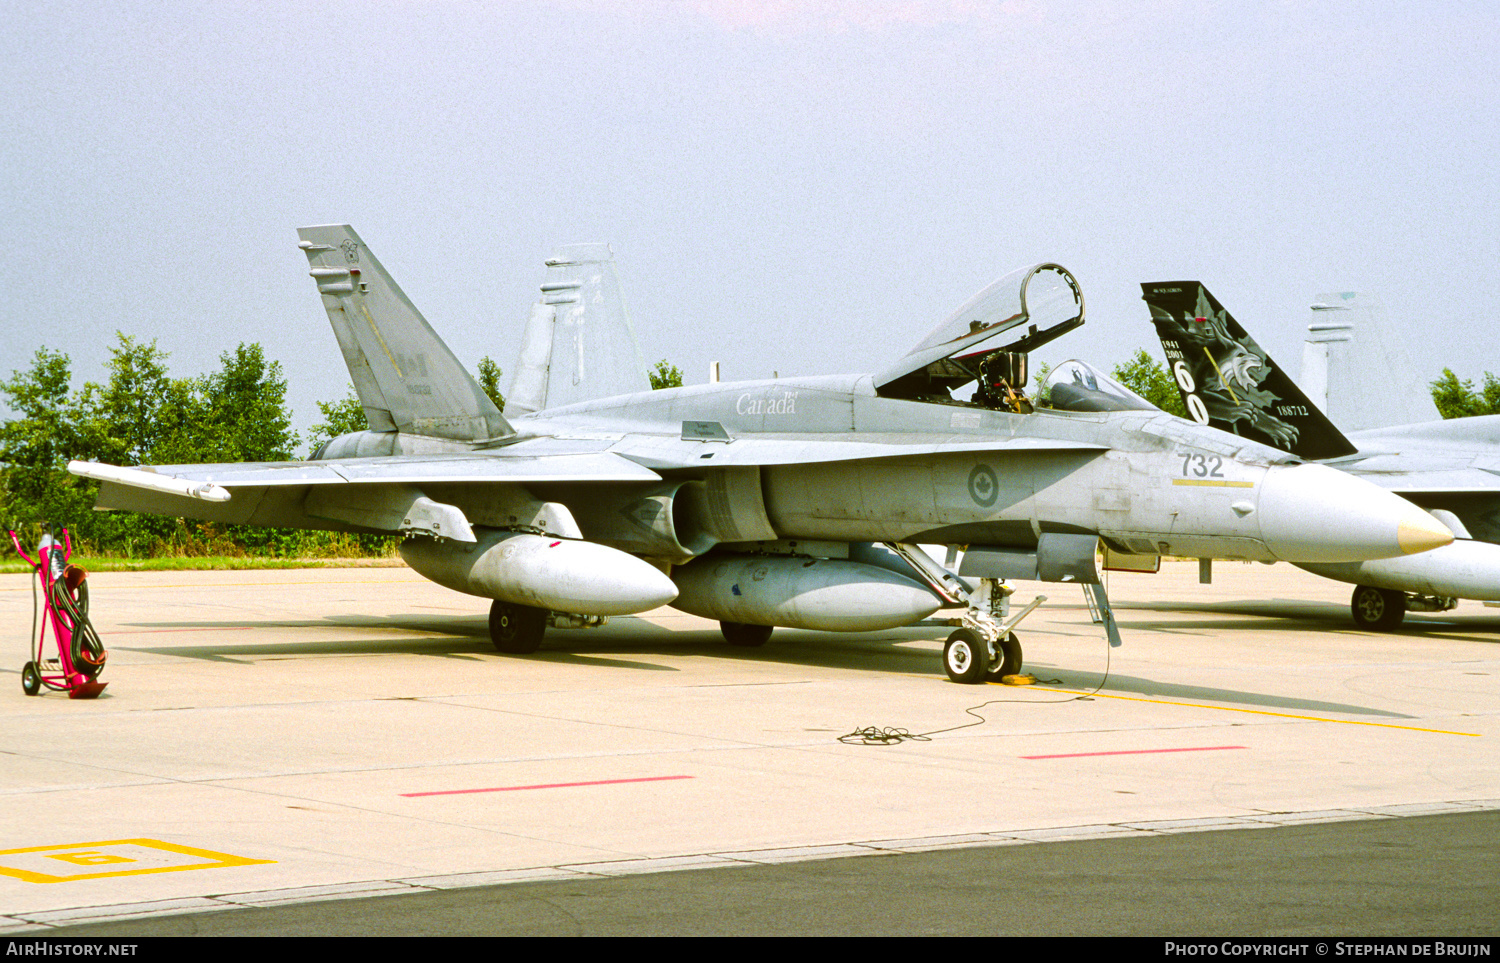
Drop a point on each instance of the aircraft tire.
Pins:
(964, 657)
(1010, 658)
(517, 629)
(1377, 609)
(743, 634)
(31, 679)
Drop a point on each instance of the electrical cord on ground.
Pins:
(873, 736)
(890, 736)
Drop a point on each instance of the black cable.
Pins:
(873, 736)
(87, 651)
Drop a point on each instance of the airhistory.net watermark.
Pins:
(35, 947)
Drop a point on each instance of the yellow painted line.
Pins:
(386, 348)
(1263, 712)
(48, 864)
(1222, 380)
(1210, 483)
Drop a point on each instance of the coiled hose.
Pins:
(70, 596)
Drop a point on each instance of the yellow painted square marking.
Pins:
(123, 857)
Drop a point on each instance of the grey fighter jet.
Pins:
(792, 502)
(1450, 468)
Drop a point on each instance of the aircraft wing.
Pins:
(363, 494)
(1455, 481)
(1457, 457)
(1478, 434)
(632, 459)
(655, 451)
(405, 493)
(393, 469)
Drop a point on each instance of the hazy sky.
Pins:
(805, 187)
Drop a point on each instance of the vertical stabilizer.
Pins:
(1353, 369)
(404, 374)
(1228, 381)
(528, 392)
(579, 343)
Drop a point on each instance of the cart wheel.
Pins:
(31, 679)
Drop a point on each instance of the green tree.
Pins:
(340, 418)
(244, 409)
(1150, 379)
(124, 421)
(36, 447)
(1042, 397)
(1491, 394)
(1458, 399)
(44, 433)
(489, 380)
(665, 375)
(140, 415)
(237, 413)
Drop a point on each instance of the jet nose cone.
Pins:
(1422, 533)
(1312, 513)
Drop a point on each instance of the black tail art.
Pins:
(1227, 380)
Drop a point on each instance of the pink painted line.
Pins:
(1131, 752)
(550, 785)
(216, 628)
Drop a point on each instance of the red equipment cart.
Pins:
(80, 654)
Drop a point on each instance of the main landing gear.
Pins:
(1377, 609)
(747, 636)
(517, 629)
(1382, 610)
(968, 658)
(985, 648)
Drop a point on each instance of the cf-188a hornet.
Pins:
(796, 502)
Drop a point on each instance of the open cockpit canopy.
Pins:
(1018, 313)
(1079, 386)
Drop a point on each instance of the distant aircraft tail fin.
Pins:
(1228, 381)
(579, 344)
(406, 377)
(1356, 373)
